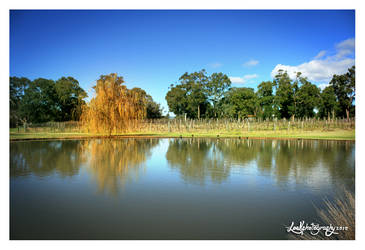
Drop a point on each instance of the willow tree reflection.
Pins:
(43, 158)
(197, 160)
(114, 162)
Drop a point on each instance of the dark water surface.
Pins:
(172, 188)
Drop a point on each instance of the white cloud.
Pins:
(250, 63)
(236, 79)
(244, 79)
(321, 69)
(345, 48)
(250, 76)
(320, 54)
(215, 65)
(322, 86)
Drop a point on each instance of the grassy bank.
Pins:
(335, 134)
(332, 129)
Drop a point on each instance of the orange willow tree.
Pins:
(114, 108)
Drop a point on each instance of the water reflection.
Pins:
(197, 160)
(55, 187)
(110, 162)
(114, 162)
(45, 158)
(300, 161)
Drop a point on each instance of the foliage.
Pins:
(344, 88)
(240, 103)
(153, 109)
(284, 97)
(197, 95)
(189, 97)
(328, 106)
(43, 100)
(306, 99)
(17, 86)
(217, 85)
(114, 108)
(40, 102)
(70, 97)
(266, 99)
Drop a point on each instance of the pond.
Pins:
(172, 188)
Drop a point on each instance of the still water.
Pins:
(172, 188)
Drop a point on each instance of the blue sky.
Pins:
(152, 49)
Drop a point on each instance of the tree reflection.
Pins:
(197, 159)
(45, 158)
(286, 161)
(111, 162)
(114, 162)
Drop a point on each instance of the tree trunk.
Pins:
(198, 111)
(348, 114)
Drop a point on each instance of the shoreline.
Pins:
(342, 135)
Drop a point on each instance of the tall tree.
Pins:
(240, 103)
(189, 97)
(40, 102)
(344, 87)
(328, 105)
(307, 99)
(295, 86)
(114, 108)
(17, 86)
(153, 109)
(284, 97)
(217, 85)
(177, 99)
(266, 99)
(70, 96)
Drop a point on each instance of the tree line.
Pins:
(199, 95)
(43, 100)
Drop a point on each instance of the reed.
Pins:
(340, 212)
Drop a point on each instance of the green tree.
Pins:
(189, 97)
(240, 102)
(344, 88)
(284, 96)
(17, 86)
(328, 105)
(217, 85)
(40, 102)
(70, 97)
(266, 99)
(153, 109)
(177, 99)
(307, 99)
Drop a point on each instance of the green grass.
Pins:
(336, 134)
